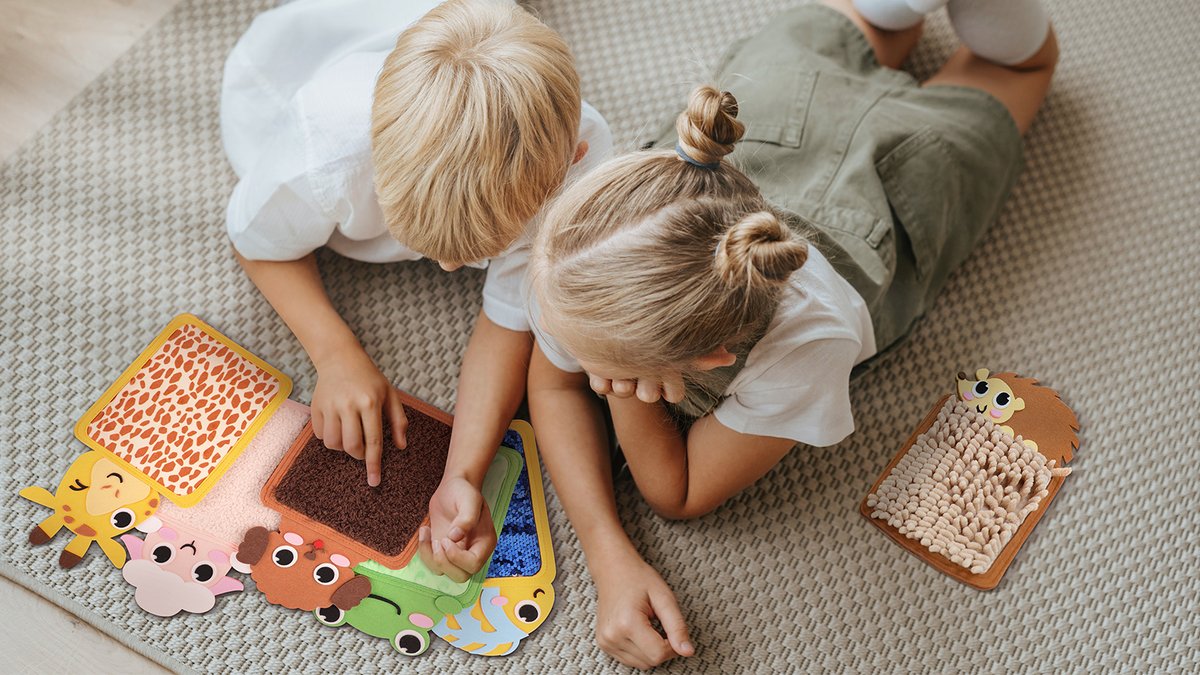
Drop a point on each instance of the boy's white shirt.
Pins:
(795, 383)
(295, 123)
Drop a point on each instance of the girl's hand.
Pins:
(647, 389)
(348, 405)
(630, 594)
(461, 534)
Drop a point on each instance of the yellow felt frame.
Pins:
(537, 495)
(285, 388)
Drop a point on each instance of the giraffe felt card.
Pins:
(184, 409)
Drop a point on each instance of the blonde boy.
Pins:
(443, 144)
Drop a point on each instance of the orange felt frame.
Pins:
(294, 521)
(285, 388)
(991, 578)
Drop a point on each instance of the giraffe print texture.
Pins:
(183, 411)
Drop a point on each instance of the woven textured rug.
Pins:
(111, 223)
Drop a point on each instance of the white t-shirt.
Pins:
(295, 122)
(796, 380)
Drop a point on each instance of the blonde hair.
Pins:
(650, 262)
(474, 125)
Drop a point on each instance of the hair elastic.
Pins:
(684, 156)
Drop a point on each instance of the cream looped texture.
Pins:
(964, 488)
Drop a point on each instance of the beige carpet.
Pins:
(111, 223)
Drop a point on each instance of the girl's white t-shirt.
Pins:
(295, 123)
(796, 381)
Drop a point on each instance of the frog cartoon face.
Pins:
(991, 396)
(390, 611)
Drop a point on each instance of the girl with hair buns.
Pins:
(719, 303)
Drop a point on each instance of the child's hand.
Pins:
(629, 595)
(348, 405)
(647, 389)
(461, 534)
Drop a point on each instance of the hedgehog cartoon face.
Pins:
(991, 396)
(298, 574)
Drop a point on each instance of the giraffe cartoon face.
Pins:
(991, 396)
(108, 493)
(97, 500)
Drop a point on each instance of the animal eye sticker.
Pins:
(973, 480)
(184, 409)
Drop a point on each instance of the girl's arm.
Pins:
(688, 474)
(351, 395)
(490, 387)
(572, 440)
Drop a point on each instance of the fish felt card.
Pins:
(971, 483)
(322, 494)
(404, 604)
(183, 410)
(518, 593)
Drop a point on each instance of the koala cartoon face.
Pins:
(298, 574)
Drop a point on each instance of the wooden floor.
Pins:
(49, 51)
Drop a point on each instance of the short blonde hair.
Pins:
(651, 262)
(473, 128)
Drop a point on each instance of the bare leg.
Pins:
(891, 47)
(1021, 88)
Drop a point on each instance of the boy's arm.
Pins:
(351, 394)
(685, 475)
(572, 441)
(491, 385)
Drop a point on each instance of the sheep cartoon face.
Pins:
(301, 575)
(176, 570)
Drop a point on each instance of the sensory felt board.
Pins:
(184, 409)
(451, 596)
(323, 494)
(233, 505)
(994, 459)
(404, 604)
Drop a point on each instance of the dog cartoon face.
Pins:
(176, 570)
(298, 574)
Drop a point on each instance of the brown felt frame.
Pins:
(990, 579)
(292, 520)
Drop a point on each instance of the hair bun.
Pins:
(709, 128)
(759, 249)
